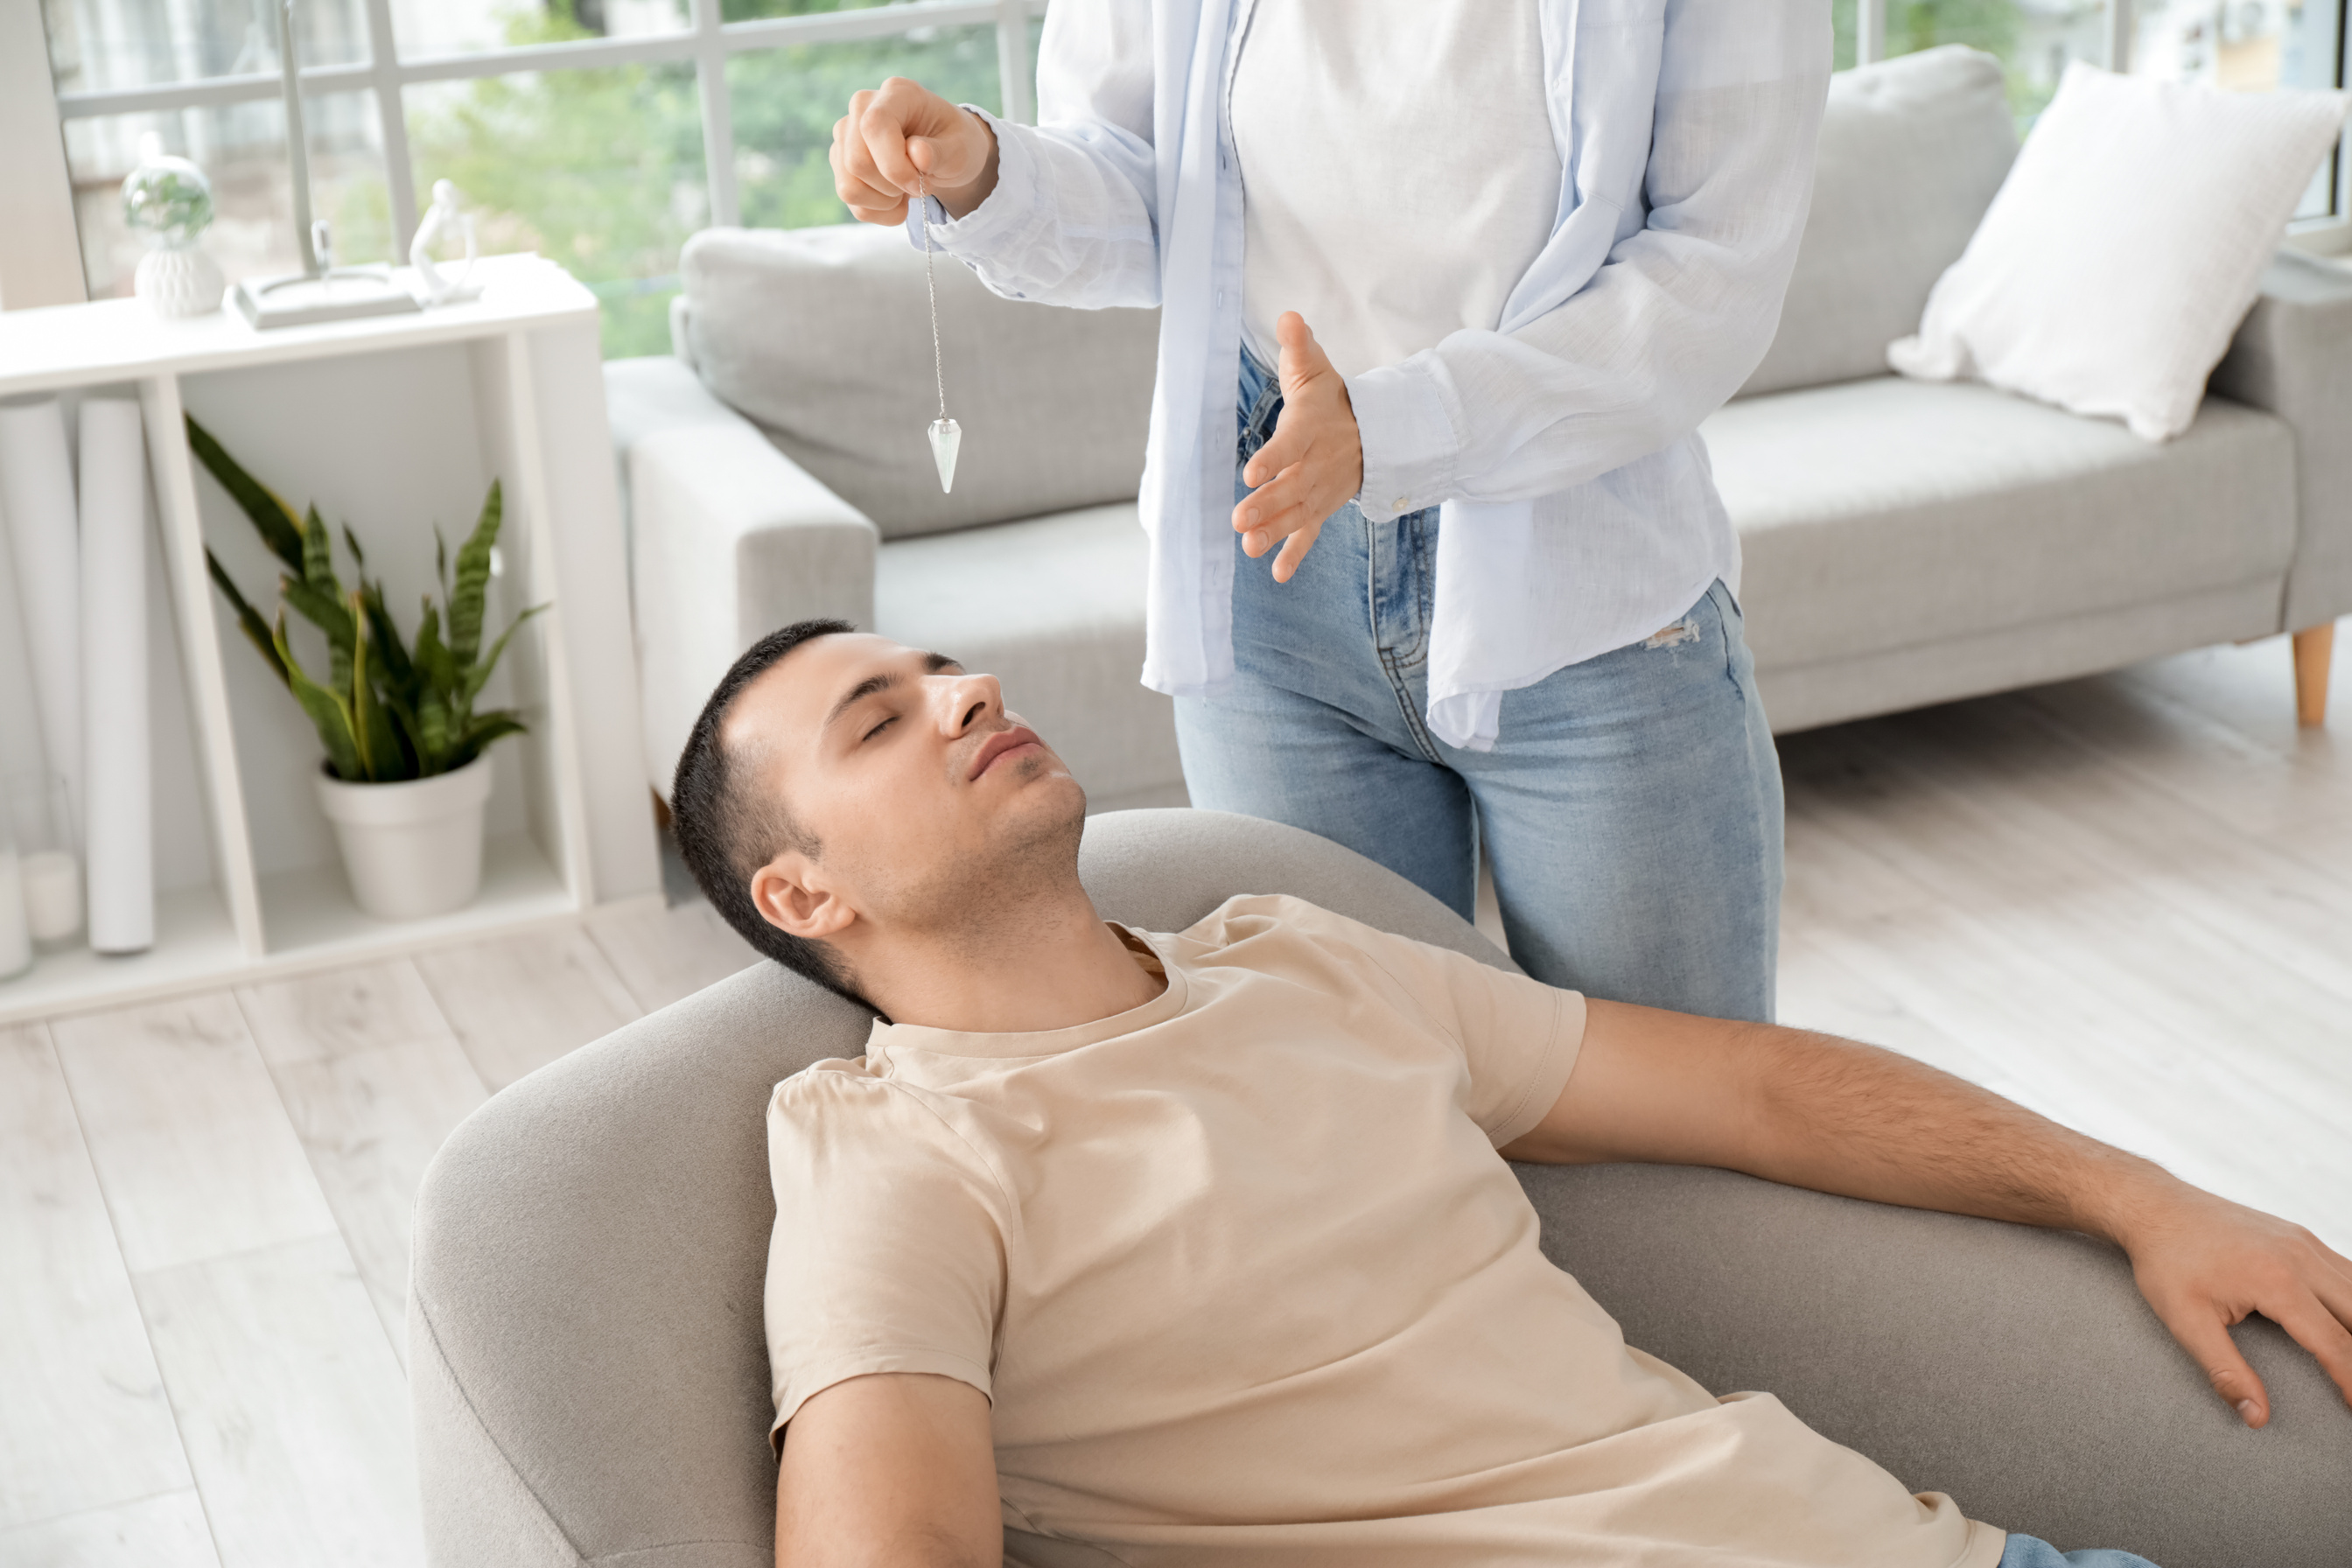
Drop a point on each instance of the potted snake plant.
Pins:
(406, 777)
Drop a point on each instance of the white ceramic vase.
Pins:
(179, 280)
(411, 849)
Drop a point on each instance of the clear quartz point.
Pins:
(946, 437)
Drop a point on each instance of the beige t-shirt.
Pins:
(1247, 1283)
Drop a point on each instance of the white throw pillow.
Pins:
(2127, 243)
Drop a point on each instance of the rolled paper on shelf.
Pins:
(36, 497)
(16, 940)
(52, 881)
(118, 813)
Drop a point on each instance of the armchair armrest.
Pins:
(2293, 356)
(730, 539)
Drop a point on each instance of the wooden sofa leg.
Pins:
(2315, 647)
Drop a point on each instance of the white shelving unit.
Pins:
(391, 424)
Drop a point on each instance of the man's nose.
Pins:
(971, 700)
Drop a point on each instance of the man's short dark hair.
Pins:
(727, 830)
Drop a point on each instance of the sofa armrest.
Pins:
(732, 539)
(2293, 356)
(2018, 1370)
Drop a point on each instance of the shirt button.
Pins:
(1221, 296)
(1403, 503)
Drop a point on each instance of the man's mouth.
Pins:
(1004, 742)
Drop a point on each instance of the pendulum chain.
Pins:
(946, 435)
(939, 363)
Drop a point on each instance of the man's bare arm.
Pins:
(896, 1470)
(1816, 1111)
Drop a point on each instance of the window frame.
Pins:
(706, 43)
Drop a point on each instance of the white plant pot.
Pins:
(411, 849)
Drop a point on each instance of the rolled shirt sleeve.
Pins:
(1072, 217)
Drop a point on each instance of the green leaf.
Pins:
(433, 728)
(249, 619)
(331, 617)
(319, 555)
(359, 557)
(485, 728)
(393, 655)
(378, 746)
(272, 518)
(472, 586)
(480, 674)
(329, 715)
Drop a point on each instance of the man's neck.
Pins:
(1052, 963)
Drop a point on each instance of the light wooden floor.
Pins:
(2125, 901)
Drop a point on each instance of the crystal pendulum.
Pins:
(946, 434)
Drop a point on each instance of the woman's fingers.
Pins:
(860, 189)
(897, 138)
(1294, 550)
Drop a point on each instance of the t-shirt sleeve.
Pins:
(1518, 1037)
(888, 1249)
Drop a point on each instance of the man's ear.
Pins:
(791, 894)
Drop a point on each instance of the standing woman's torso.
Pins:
(1398, 167)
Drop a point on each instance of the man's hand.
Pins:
(1812, 1111)
(1311, 464)
(902, 133)
(2204, 1263)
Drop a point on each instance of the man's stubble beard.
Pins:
(992, 897)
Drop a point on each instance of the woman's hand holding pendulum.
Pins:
(1313, 462)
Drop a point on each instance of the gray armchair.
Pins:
(590, 1376)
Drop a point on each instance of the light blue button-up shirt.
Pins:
(1578, 513)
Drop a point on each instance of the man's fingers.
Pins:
(2204, 1336)
(2316, 1327)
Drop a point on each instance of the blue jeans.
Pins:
(2025, 1552)
(1631, 808)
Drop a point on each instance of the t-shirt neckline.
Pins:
(896, 1037)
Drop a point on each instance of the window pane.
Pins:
(243, 147)
(1842, 24)
(599, 170)
(96, 45)
(427, 28)
(2245, 46)
(2034, 38)
(785, 101)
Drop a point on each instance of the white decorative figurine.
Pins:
(433, 287)
(170, 201)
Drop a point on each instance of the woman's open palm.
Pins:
(1313, 462)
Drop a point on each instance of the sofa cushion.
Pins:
(1912, 151)
(1887, 513)
(822, 337)
(1054, 608)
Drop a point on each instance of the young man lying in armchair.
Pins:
(1135, 1247)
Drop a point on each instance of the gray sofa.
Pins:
(590, 1377)
(1905, 542)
